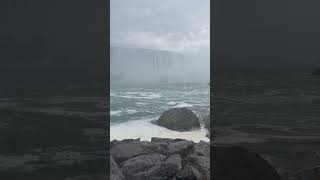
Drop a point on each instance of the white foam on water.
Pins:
(153, 96)
(140, 95)
(115, 113)
(183, 104)
(172, 103)
(140, 103)
(145, 130)
(131, 111)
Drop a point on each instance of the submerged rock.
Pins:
(179, 119)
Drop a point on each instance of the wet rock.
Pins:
(180, 147)
(138, 167)
(206, 120)
(175, 159)
(164, 170)
(115, 171)
(186, 160)
(202, 149)
(188, 173)
(179, 119)
(164, 140)
(202, 164)
(124, 151)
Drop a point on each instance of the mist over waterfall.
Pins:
(138, 65)
(159, 60)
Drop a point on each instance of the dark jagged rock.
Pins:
(138, 167)
(162, 171)
(202, 149)
(201, 163)
(123, 151)
(164, 140)
(164, 158)
(236, 163)
(188, 173)
(175, 159)
(180, 147)
(179, 119)
(115, 171)
(206, 121)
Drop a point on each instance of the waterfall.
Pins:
(144, 64)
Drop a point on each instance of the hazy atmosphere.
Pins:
(160, 60)
(180, 27)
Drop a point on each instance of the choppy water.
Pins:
(132, 108)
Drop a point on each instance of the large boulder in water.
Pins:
(179, 119)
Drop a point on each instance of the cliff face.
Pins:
(143, 65)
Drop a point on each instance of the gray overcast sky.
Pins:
(175, 25)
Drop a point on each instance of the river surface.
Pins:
(133, 107)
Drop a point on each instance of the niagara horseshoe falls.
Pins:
(159, 89)
(136, 102)
(159, 69)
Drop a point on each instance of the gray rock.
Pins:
(175, 159)
(180, 147)
(201, 163)
(162, 171)
(164, 140)
(179, 119)
(124, 151)
(156, 147)
(115, 172)
(206, 120)
(137, 167)
(202, 149)
(188, 173)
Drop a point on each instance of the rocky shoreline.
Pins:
(159, 159)
(175, 159)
